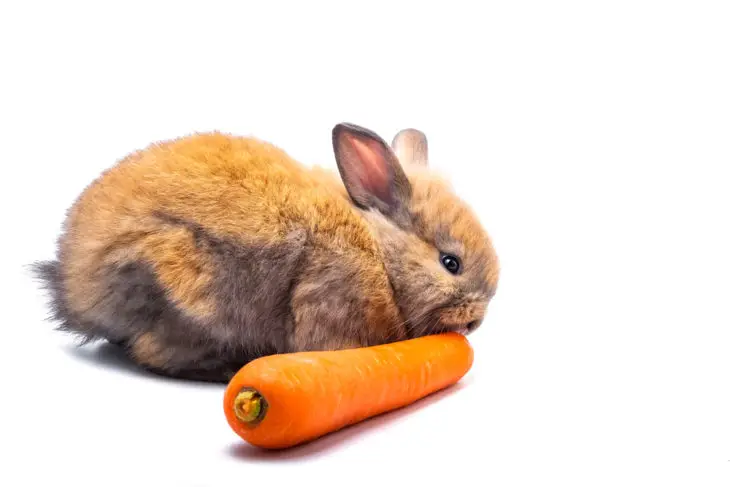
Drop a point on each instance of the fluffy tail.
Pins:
(48, 273)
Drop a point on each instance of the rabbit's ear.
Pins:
(411, 146)
(370, 169)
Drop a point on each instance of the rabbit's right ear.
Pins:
(370, 170)
(411, 146)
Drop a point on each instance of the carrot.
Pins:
(283, 400)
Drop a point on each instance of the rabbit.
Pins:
(199, 254)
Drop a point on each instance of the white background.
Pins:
(593, 138)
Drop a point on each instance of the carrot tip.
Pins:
(249, 406)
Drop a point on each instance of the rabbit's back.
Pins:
(234, 186)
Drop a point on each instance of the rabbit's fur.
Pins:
(202, 253)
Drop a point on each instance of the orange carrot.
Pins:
(283, 400)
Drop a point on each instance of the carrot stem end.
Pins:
(249, 406)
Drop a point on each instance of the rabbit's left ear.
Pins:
(370, 170)
(411, 146)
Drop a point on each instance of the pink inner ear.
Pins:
(374, 175)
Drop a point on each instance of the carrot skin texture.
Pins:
(311, 394)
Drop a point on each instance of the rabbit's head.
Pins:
(440, 261)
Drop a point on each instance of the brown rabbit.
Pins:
(202, 253)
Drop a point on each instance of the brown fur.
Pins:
(146, 349)
(201, 253)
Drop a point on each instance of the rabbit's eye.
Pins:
(451, 263)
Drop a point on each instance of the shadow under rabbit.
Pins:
(114, 357)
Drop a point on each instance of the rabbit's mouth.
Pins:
(462, 328)
(466, 329)
(463, 319)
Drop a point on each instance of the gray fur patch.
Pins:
(251, 289)
(133, 304)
